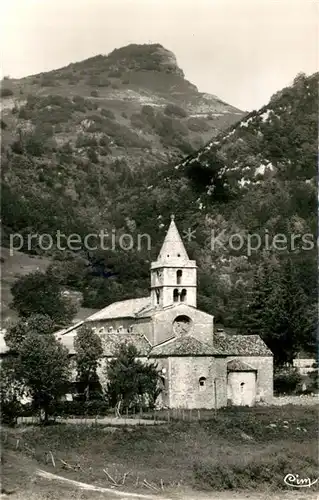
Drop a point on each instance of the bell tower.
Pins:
(173, 275)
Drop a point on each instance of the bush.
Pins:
(137, 121)
(3, 125)
(104, 141)
(5, 92)
(286, 380)
(47, 81)
(81, 408)
(94, 93)
(147, 110)
(108, 113)
(115, 74)
(173, 109)
(98, 81)
(85, 140)
(197, 125)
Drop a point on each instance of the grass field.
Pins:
(237, 449)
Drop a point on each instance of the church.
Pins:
(199, 367)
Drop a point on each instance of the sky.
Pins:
(243, 51)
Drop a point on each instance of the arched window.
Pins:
(183, 295)
(158, 293)
(179, 277)
(175, 295)
(202, 383)
(242, 385)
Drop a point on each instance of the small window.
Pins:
(179, 275)
(175, 295)
(158, 293)
(202, 383)
(242, 385)
(178, 255)
(183, 295)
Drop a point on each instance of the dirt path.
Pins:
(185, 495)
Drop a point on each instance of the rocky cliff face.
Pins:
(153, 57)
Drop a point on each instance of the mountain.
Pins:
(72, 136)
(256, 179)
(133, 103)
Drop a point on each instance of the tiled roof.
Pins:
(123, 309)
(111, 342)
(240, 345)
(182, 346)
(236, 365)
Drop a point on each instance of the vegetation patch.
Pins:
(202, 455)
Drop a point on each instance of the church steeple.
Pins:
(173, 275)
(173, 249)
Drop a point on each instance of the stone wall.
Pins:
(202, 323)
(184, 386)
(264, 366)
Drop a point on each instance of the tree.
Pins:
(36, 323)
(88, 351)
(40, 293)
(11, 391)
(131, 382)
(280, 312)
(43, 368)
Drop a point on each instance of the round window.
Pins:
(182, 325)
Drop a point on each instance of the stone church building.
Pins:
(200, 367)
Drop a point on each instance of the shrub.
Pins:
(108, 113)
(104, 141)
(115, 86)
(126, 81)
(78, 408)
(85, 140)
(17, 147)
(286, 380)
(173, 109)
(5, 92)
(123, 114)
(98, 81)
(94, 93)
(47, 81)
(3, 124)
(197, 125)
(115, 74)
(92, 155)
(137, 120)
(147, 110)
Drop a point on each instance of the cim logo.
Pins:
(296, 482)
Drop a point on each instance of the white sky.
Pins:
(241, 50)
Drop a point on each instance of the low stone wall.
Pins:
(306, 400)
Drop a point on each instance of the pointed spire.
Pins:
(173, 247)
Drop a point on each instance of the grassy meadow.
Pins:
(236, 449)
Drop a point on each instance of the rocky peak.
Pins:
(144, 57)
